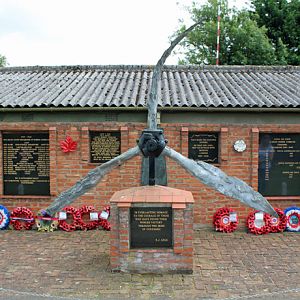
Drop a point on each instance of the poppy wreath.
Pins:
(4, 217)
(85, 225)
(278, 224)
(293, 218)
(221, 220)
(256, 227)
(22, 218)
(104, 222)
(65, 224)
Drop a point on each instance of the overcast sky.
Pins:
(89, 32)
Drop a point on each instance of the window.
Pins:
(104, 146)
(204, 146)
(279, 164)
(26, 163)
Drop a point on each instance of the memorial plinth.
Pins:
(152, 230)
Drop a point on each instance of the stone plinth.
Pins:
(152, 230)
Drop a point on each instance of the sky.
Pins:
(90, 32)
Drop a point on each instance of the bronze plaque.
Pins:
(151, 227)
(279, 164)
(204, 146)
(26, 163)
(104, 146)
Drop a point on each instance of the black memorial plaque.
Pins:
(26, 163)
(151, 227)
(204, 146)
(279, 164)
(104, 146)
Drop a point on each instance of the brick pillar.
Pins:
(156, 257)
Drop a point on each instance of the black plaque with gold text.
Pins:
(151, 227)
(104, 146)
(279, 164)
(26, 164)
(204, 146)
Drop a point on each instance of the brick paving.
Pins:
(75, 265)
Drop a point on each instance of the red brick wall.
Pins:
(66, 169)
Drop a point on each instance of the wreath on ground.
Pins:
(225, 220)
(71, 221)
(103, 218)
(278, 224)
(84, 217)
(258, 222)
(293, 218)
(22, 218)
(4, 217)
(45, 222)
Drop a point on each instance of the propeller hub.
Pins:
(152, 142)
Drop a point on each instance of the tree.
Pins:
(282, 20)
(3, 61)
(242, 41)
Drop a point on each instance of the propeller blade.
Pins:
(153, 99)
(221, 182)
(89, 181)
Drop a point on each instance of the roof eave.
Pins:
(144, 109)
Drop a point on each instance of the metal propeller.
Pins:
(152, 144)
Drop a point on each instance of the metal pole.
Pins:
(151, 170)
(218, 35)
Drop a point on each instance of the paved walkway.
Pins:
(63, 266)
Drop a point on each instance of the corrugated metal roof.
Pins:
(128, 86)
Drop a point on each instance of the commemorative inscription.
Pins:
(204, 146)
(104, 146)
(26, 163)
(279, 164)
(151, 227)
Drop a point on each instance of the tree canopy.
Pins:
(246, 38)
(282, 20)
(3, 61)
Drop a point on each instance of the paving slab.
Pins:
(75, 265)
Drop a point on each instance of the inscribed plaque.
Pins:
(26, 163)
(104, 146)
(279, 164)
(151, 227)
(204, 146)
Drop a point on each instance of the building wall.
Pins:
(67, 168)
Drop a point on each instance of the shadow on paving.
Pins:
(75, 265)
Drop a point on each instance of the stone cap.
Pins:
(153, 194)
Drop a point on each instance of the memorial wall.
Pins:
(33, 164)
